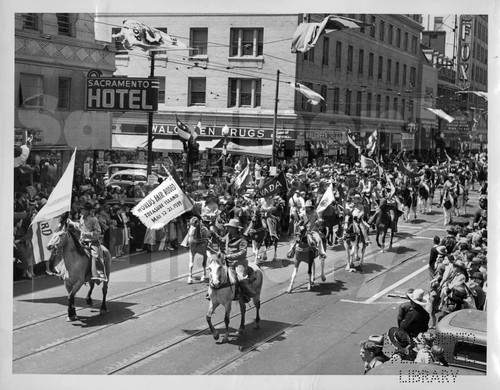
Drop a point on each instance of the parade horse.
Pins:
(424, 197)
(197, 240)
(259, 235)
(76, 269)
(409, 201)
(305, 249)
(273, 222)
(333, 216)
(460, 196)
(222, 291)
(353, 240)
(384, 219)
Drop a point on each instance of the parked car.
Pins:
(128, 177)
(114, 168)
(463, 336)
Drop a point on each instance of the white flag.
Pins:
(165, 203)
(37, 238)
(60, 199)
(372, 143)
(327, 198)
(312, 97)
(243, 179)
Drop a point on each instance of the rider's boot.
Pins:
(247, 290)
(98, 273)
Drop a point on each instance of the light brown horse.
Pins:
(77, 267)
(198, 238)
(222, 291)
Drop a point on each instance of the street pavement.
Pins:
(156, 321)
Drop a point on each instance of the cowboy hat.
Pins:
(477, 275)
(399, 338)
(234, 223)
(87, 206)
(418, 297)
(377, 340)
(309, 204)
(441, 249)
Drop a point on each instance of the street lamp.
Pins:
(225, 133)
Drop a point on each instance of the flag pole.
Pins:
(275, 120)
(150, 121)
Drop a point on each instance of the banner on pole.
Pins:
(162, 205)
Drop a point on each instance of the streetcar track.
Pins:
(205, 330)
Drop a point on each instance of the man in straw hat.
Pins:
(416, 319)
(236, 257)
(90, 232)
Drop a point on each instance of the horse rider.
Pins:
(296, 204)
(268, 208)
(236, 257)
(358, 214)
(366, 187)
(90, 231)
(209, 210)
(310, 220)
(448, 198)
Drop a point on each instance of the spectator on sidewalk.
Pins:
(423, 344)
(403, 344)
(368, 353)
(433, 257)
(416, 319)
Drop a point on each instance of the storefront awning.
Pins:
(250, 150)
(134, 141)
(441, 114)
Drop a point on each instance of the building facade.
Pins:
(54, 52)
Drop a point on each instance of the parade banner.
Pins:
(372, 143)
(276, 185)
(312, 97)
(406, 171)
(162, 205)
(38, 236)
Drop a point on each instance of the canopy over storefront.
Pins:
(441, 114)
(134, 141)
(249, 150)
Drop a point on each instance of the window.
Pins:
(30, 21)
(336, 100)
(358, 103)
(244, 92)
(382, 31)
(372, 29)
(64, 90)
(380, 67)
(161, 90)
(370, 65)
(64, 24)
(369, 104)
(378, 106)
(309, 55)
(387, 106)
(414, 44)
(404, 74)
(349, 58)
(120, 49)
(398, 38)
(413, 76)
(403, 107)
(396, 74)
(348, 94)
(390, 35)
(395, 108)
(324, 92)
(304, 104)
(197, 91)
(198, 41)
(389, 69)
(246, 42)
(405, 43)
(361, 61)
(338, 55)
(31, 90)
(362, 17)
(326, 51)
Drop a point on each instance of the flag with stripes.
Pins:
(197, 130)
(367, 163)
(136, 34)
(350, 139)
(312, 97)
(244, 179)
(183, 131)
(371, 146)
(327, 198)
(307, 34)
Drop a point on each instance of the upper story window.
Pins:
(324, 91)
(372, 29)
(30, 21)
(361, 61)
(244, 92)
(246, 42)
(390, 35)
(380, 67)
(120, 49)
(336, 100)
(309, 55)
(64, 24)
(350, 51)
(326, 50)
(31, 90)
(64, 92)
(161, 90)
(382, 31)
(338, 55)
(198, 41)
(370, 65)
(197, 91)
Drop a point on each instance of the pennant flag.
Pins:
(136, 34)
(372, 143)
(197, 130)
(367, 163)
(163, 204)
(307, 34)
(447, 157)
(273, 186)
(183, 131)
(312, 97)
(406, 171)
(350, 139)
(59, 200)
(327, 198)
(243, 179)
(46, 220)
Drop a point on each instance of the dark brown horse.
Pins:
(77, 267)
(384, 219)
